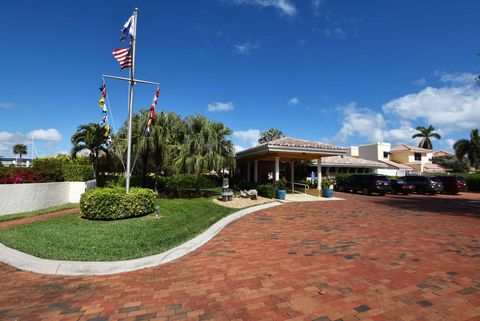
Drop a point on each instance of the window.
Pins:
(418, 156)
(385, 155)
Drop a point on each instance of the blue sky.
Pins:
(342, 72)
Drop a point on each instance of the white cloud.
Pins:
(360, 122)
(7, 105)
(5, 136)
(453, 108)
(50, 134)
(335, 33)
(245, 48)
(285, 7)
(250, 136)
(217, 106)
(293, 101)
(449, 143)
(457, 78)
(316, 6)
(420, 82)
(238, 148)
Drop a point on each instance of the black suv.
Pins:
(424, 184)
(367, 183)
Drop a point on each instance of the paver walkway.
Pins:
(42, 217)
(366, 258)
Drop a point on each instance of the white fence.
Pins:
(20, 198)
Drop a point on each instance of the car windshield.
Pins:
(401, 181)
(381, 178)
(435, 179)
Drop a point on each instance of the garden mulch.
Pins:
(367, 258)
(41, 217)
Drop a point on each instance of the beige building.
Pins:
(401, 160)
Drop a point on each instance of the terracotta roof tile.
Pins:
(404, 147)
(350, 161)
(395, 164)
(295, 142)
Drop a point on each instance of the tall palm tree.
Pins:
(471, 148)
(89, 137)
(425, 134)
(20, 149)
(269, 135)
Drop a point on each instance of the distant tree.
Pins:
(452, 163)
(89, 137)
(269, 135)
(20, 149)
(470, 148)
(425, 134)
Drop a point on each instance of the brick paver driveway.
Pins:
(366, 258)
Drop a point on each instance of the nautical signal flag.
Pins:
(128, 28)
(123, 56)
(101, 102)
(103, 89)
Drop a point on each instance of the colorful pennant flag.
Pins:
(152, 115)
(128, 28)
(124, 57)
(101, 102)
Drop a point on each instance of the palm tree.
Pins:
(425, 134)
(90, 137)
(204, 147)
(20, 149)
(269, 135)
(471, 148)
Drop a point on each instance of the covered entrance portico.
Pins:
(276, 159)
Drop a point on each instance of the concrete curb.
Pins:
(35, 264)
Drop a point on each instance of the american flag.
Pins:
(123, 56)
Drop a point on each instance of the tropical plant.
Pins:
(452, 163)
(469, 148)
(269, 135)
(20, 149)
(89, 137)
(425, 133)
(205, 147)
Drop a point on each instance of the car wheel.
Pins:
(394, 192)
(431, 193)
(405, 193)
(382, 194)
(420, 191)
(365, 191)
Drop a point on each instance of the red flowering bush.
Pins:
(21, 176)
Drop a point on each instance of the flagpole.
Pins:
(130, 101)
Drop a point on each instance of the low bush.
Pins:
(115, 203)
(77, 173)
(119, 181)
(266, 190)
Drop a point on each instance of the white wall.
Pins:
(374, 151)
(20, 198)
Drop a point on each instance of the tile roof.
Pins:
(395, 164)
(351, 161)
(441, 153)
(433, 166)
(296, 142)
(404, 147)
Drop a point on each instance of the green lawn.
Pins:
(38, 212)
(73, 238)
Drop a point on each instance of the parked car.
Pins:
(453, 184)
(424, 184)
(400, 186)
(367, 183)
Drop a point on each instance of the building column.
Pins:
(255, 171)
(276, 175)
(319, 173)
(292, 176)
(248, 171)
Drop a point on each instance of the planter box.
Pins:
(20, 198)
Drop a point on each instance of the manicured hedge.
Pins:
(115, 203)
(179, 183)
(266, 190)
(77, 173)
(119, 181)
(50, 168)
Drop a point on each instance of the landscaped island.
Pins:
(73, 238)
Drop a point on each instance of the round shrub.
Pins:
(115, 203)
